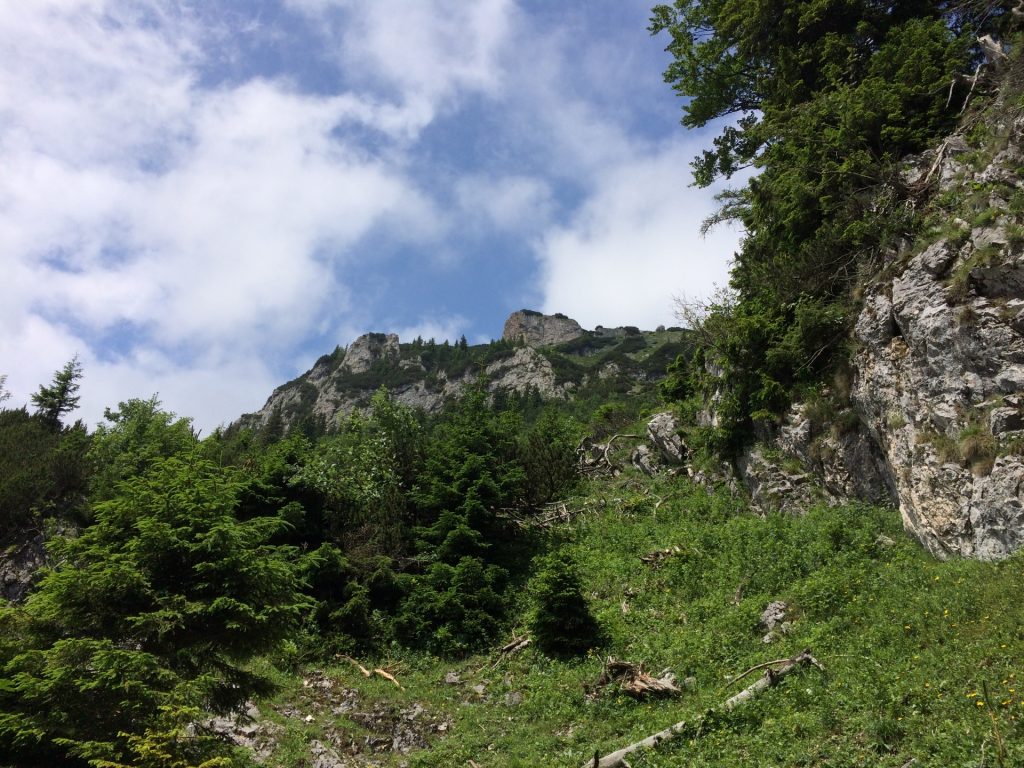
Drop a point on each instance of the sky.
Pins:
(198, 199)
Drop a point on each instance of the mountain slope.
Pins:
(547, 357)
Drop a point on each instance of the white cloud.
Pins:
(200, 218)
(509, 203)
(635, 244)
(208, 390)
(208, 230)
(426, 50)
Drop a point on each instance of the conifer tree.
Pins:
(61, 396)
(562, 624)
(151, 613)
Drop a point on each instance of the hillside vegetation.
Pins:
(347, 579)
(228, 575)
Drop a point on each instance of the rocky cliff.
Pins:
(543, 356)
(941, 361)
(936, 400)
(539, 330)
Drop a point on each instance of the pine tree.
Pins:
(60, 397)
(153, 610)
(562, 623)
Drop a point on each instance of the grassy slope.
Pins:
(909, 643)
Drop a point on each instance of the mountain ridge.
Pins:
(549, 357)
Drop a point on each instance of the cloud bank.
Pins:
(196, 202)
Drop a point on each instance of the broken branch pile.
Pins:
(594, 458)
(658, 557)
(555, 513)
(634, 681)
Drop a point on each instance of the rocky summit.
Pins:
(538, 330)
(550, 357)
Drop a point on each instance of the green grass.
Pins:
(909, 644)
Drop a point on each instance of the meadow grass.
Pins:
(923, 658)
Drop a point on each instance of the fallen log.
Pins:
(388, 676)
(365, 672)
(770, 678)
(517, 644)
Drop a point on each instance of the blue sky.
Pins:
(199, 199)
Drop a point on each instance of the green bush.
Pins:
(561, 623)
(157, 606)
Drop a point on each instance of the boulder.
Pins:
(663, 431)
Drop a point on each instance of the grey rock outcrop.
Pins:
(643, 459)
(775, 620)
(539, 330)
(370, 348)
(526, 370)
(804, 463)
(663, 432)
(940, 375)
(774, 485)
(935, 422)
(19, 565)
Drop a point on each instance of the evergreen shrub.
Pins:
(562, 623)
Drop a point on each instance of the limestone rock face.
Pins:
(936, 421)
(368, 349)
(773, 485)
(812, 463)
(19, 565)
(940, 374)
(537, 330)
(527, 369)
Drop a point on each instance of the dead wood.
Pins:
(633, 681)
(770, 678)
(737, 596)
(388, 676)
(517, 644)
(594, 458)
(657, 558)
(550, 515)
(379, 671)
(365, 672)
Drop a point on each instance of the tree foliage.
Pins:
(823, 98)
(42, 472)
(155, 607)
(132, 439)
(562, 623)
(61, 396)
